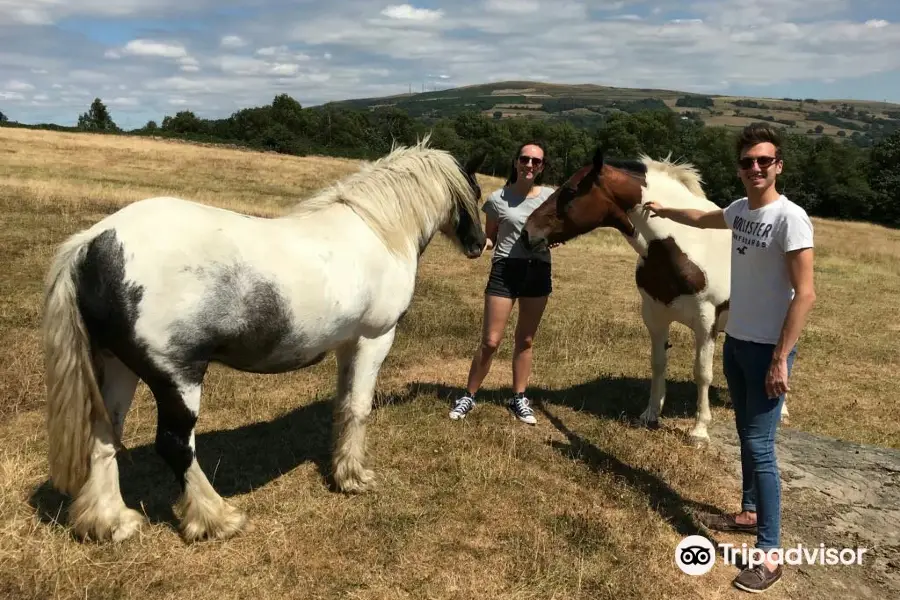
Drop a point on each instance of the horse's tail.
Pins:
(74, 400)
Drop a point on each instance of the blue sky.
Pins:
(151, 58)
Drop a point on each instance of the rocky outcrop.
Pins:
(838, 493)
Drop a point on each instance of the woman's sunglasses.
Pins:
(762, 161)
(524, 160)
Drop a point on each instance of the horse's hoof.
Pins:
(359, 483)
(130, 522)
(350, 477)
(696, 441)
(225, 522)
(643, 422)
(99, 527)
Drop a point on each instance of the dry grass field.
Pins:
(583, 505)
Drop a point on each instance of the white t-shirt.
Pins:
(761, 289)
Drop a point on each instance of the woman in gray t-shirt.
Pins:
(516, 274)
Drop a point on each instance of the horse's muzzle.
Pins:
(534, 243)
(473, 250)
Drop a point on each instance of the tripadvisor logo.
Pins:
(696, 555)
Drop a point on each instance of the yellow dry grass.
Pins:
(580, 506)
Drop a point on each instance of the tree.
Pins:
(97, 118)
(884, 178)
(184, 121)
(3, 118)
(288, 112)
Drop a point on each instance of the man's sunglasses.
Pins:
(762, 161)
(523, 160)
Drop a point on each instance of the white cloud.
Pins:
(406, 12)
(88, 76)
(154, 48)
(282, 54)
(123, 101)
(232, 41)
(272, 50)
(284, 69)
(240, 65)
(189, 64)
(19, 86)
(877, 23)
(15, 12)
(512, 7)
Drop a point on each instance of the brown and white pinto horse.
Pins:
(683, 273)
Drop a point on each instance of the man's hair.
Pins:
(758, 133)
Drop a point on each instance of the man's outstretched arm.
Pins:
(714, 219)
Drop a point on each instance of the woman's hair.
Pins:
(514, 172)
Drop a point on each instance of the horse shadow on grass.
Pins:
(236, 461)
(622, 399)
(240, 460)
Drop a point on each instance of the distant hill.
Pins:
(862, 121)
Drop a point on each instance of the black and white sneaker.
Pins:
(462, 407)
(521, 408)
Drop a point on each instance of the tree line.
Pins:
(826, 177)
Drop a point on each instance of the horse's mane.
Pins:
(684, 172)
(402, 195)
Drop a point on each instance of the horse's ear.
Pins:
(598, 158)
(475, 162)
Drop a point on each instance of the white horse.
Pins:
(683, 273)
(163, 287)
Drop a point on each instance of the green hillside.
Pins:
(860, 121)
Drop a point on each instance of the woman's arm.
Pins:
(490, 229)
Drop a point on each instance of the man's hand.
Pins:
(653, 207)
(488, 244)
(777, 378)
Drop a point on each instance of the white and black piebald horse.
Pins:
(162, 288)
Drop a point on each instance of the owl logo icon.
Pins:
(695, 555)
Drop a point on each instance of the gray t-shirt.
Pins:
(511, 210)
(761, 288)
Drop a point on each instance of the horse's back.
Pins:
(257, 294)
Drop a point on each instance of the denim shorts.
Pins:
(519, 278)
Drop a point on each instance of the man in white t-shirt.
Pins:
(772, 293)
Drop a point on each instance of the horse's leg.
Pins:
(704, 348)
(358, 365)
(658, 326)
(99, 510)
(119, 386)
(202, 511)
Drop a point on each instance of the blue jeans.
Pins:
(756, 416)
